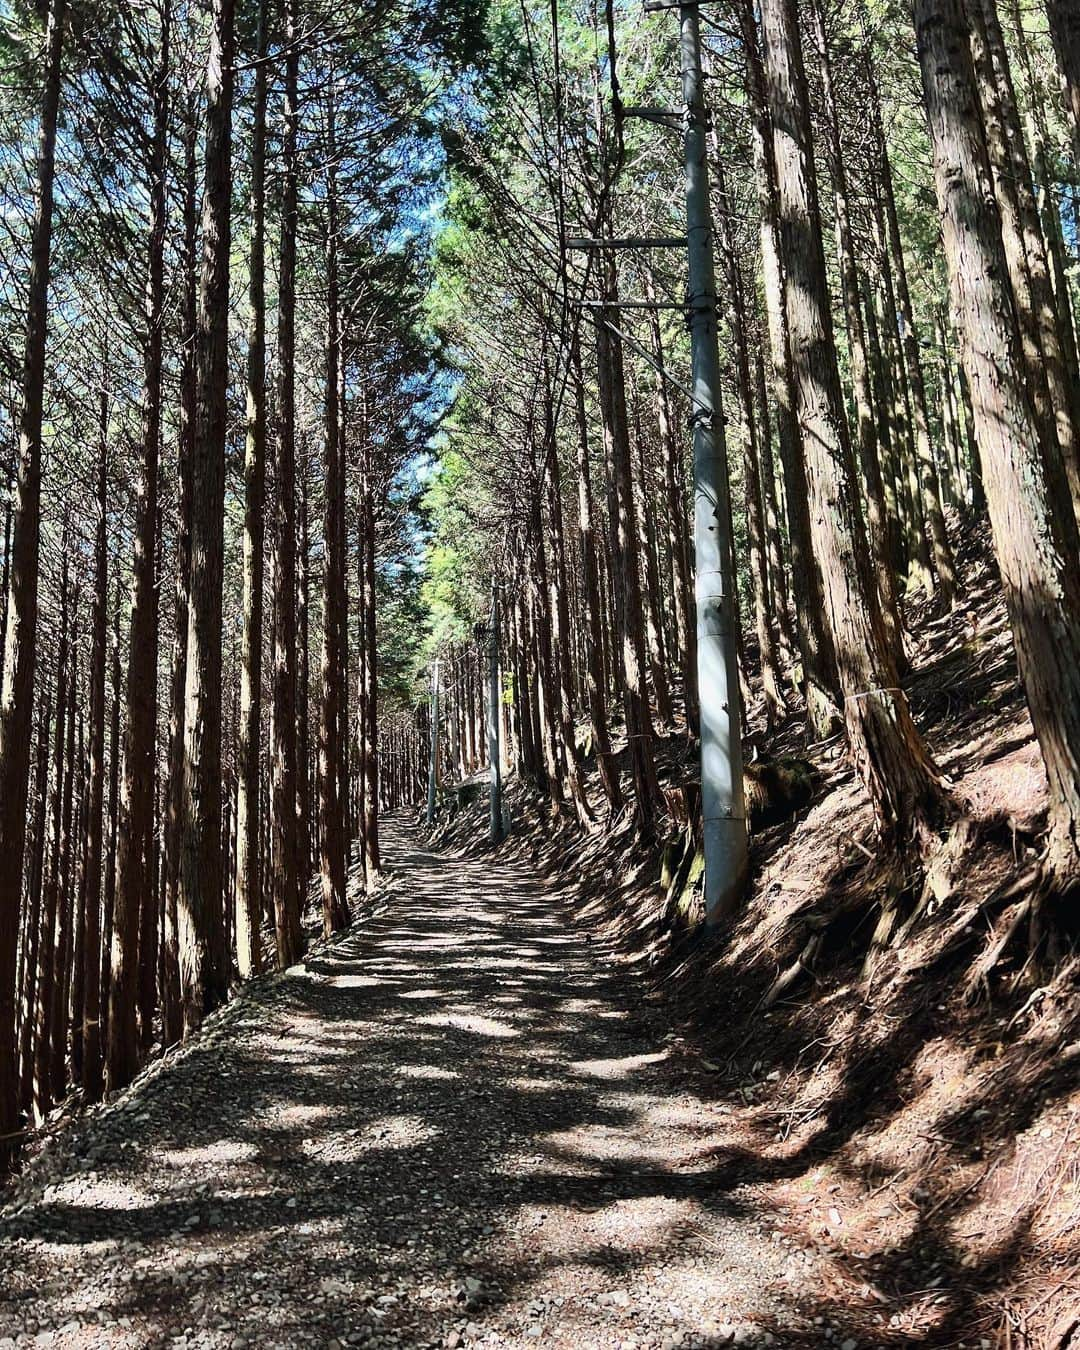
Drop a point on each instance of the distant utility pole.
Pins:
(723, 805)
(433, 765)
(494, 708)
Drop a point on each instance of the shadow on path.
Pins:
(451, 1126)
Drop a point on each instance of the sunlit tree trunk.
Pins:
(818, 661)
(248, 888)
(35, 892)
(172, 1012)
(201, 920)
(889, 755)
(284, 869)
(332, 842)
(61, 983)
(1022, 234)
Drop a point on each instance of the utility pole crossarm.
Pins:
(664, 117)
(659, 241)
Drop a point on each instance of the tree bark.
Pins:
(819, 679)
(248, 888)
(332, 841)
(1042, 592)
(134, 884)
(172, 1012)
(50, 895)
(889, 755)
(284, 866)
(369, 710)
(927, 492)
(1020, 213)
(876, 518)
(34, 912)
(639, 728)
(201, 920)
(92, 1080)
(20, 637)
(61, 983)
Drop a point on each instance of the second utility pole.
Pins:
(723, 805)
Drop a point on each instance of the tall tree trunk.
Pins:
(541, 640)
(34, 912)
(284, 875)
(332, 841)
(303, 685)
(639, 728)
(778, 580)
(50, 896)
(560, 632)
(928, 492)
(201, 922)
(775, 705)
(116, 682)
(134, 885)
(677, 517)
(1042, 591)
(248, 889)
(650, 573)
(1015, 170)
(369, 714)
(78, 962)
(92, 1081)
(885, 576)
(172, 1012)
(890, 757)
(819, 663)
(20, 634)
(61, 985)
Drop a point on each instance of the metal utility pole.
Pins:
(433, 760)
(723, 805)
(494, 707)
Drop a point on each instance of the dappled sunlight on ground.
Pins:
(452, 1122)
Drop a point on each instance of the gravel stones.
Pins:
(456, 1129)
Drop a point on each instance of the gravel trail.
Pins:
(449, 1127)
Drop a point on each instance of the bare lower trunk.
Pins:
(20, 638)
(889, 755)
(284, 869)
(248, 889)
(133, 882)
(332, 842)
(201, 920)
(92, 1081)
(819, 667)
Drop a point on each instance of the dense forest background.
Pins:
(319, 348)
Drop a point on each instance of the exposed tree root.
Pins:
(802, 965)
(1031, 903)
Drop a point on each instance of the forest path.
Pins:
(448, 1127)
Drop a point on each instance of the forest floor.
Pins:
(457, 1124)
